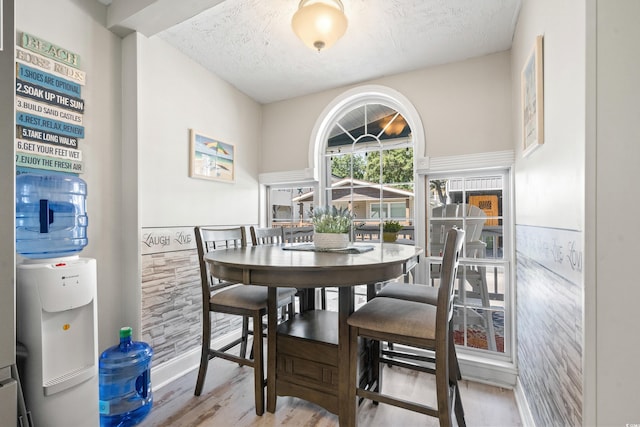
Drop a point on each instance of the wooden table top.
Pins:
(271, 265)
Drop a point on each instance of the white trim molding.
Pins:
(287, 177)
(352, 99)
(467, 162)
(478, 369)
(523, 406)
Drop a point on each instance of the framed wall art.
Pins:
(533, 99)
(210, 158)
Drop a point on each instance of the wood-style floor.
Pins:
(227, 400)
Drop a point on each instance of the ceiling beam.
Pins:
(150, 17)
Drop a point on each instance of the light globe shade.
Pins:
(319, 23)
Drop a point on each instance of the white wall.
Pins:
(617, 156)
(174, 95)
(464, 107)
(551, 179)
(79, 27)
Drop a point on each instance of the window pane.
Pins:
(474, 203)
(348, 165)
(398, 211)
(290, 206)
(375, 211)
(486, 193)
(397, 166)
(369, 146)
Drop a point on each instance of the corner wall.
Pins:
(79, 27)
(550, 209)
(169, 94)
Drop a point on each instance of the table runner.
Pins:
(353, 249)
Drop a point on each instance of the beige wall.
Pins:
(464, 107)
(174, 95)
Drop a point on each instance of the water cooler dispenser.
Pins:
(56, 308)
(56, 321)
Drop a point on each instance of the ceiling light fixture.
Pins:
(319, 23)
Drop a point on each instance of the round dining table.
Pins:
(301, 266)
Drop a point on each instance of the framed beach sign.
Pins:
(210, 158)
(533, 100)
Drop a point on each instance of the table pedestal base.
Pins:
(308, 359)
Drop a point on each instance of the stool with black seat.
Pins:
(248, 301)
(413, 324)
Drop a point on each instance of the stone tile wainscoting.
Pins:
(550, 329)
(171, 296)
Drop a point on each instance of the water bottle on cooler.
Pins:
(51, 216)
(125, 382)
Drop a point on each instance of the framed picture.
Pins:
(533, 100)
(210, 158)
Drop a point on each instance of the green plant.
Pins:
(331, 220)
(391, 226)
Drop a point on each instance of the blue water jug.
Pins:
(51, 217)
(125, 382)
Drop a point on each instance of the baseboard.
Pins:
(523, 406)
(494, 373)
(175, 368)
(478, 369)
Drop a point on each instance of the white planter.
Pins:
(331, 240)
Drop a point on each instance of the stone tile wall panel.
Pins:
(549, 321)
(172, 305)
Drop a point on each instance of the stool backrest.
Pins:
(298, 234)
(449, 269)
(210, 239)
(266, 235)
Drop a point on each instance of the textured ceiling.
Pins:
(250, 43)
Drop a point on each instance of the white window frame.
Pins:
(493, 368)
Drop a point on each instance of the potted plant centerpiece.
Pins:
(331, 227)
(390, 231)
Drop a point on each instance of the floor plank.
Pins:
(227, 400)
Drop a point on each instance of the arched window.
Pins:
(368, 163)
(365, 146)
